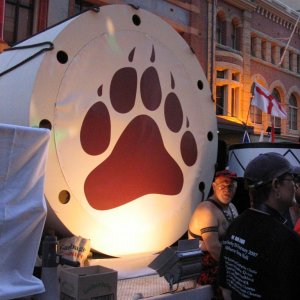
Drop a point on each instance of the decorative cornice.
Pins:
(242, 4)
(186, 6)
(278, 13)
(222, 53)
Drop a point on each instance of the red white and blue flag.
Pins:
(246, 137)
(266, 102)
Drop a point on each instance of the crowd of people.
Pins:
(254, 253)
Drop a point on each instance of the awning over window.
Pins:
(233, 124)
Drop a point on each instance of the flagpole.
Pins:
(272, 132)
(246, 137)
(249, 110)
(250, 106)
(288, 43)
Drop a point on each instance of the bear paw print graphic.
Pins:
(139, 163)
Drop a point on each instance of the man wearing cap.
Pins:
(210, 221)
(294, 211)
(260, 257)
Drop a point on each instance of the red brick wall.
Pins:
(199, 43)
(43, 15)
(271, 75)
(273, 29)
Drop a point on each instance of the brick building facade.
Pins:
(238, 42)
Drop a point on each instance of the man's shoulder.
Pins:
(208, 204)
(207, 208)
(264, 225)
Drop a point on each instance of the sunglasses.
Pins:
(223, 186)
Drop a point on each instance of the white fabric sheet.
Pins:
(23, 155)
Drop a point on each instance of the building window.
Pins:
(234, 37)
(227, 95)
(276, 120)
(235, 76)
(221, 74)
(81, 5)
(253, 45)
(221, 29)
(291, 62)
(293, 110)
(264, 50)
(234, 102)
(18, 23)
(255, 115)
(235, 32)
(220, 100)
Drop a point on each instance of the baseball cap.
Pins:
(265, 167)
(225, 173)
(296, 174)
(296, 171)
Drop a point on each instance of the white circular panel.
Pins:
(133, 130)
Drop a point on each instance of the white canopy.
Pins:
(23, 154)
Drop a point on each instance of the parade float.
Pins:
(133, 133)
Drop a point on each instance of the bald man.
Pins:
(210, 221)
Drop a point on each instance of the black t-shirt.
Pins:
(260, 258)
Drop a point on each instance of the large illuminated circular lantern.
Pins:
(133, 129)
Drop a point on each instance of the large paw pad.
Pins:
(139, 163)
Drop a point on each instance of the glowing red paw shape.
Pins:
(139, 163)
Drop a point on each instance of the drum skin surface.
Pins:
(133, 127)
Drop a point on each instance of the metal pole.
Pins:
(288, 43)
(2, 13)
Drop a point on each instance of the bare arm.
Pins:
(212, 244)
(208, 224)
(226, 294)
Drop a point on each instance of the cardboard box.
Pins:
(88, 283)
